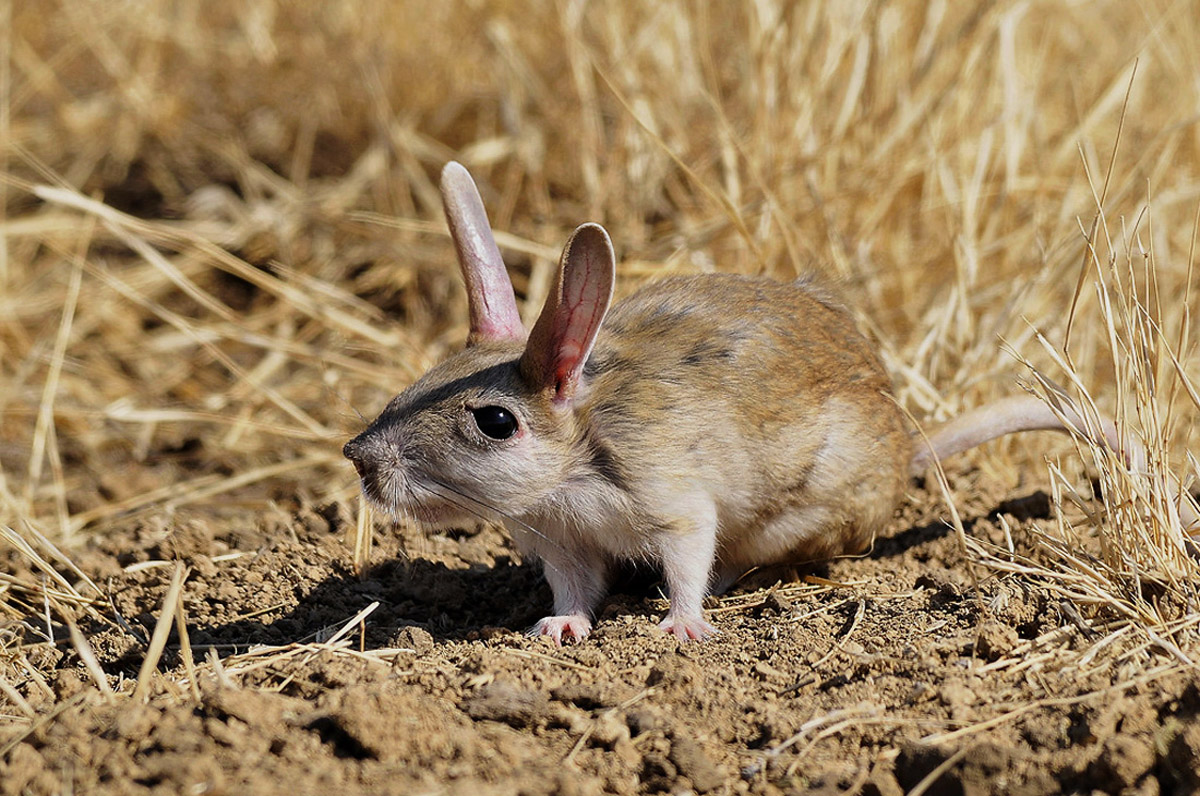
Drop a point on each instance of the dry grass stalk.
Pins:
(279, 659)
(1145, 542)
(18, 701)
(88, 657)
(1023, 709)
(363, 536)
(185, 649)
(162, 630)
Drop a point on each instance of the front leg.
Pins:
(687, 553)
(579, 579)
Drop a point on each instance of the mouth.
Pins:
(413, 502)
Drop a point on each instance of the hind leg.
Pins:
(797, 533)
(725, 574)
(797, 536)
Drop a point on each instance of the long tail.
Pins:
(1029, 413)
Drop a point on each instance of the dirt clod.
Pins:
(1122, 761)
(674, 671)
(692, 762)
(503, 701)
(995, 640)
(777, 603)
(1183, 757)
(415, 638)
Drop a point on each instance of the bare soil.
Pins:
(878, 675)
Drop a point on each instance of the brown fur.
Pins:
(708, 423)
(738, 378)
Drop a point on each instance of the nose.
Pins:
(353, 450)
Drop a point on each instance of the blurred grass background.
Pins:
(222, 242)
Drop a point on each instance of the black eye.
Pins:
(495, 421)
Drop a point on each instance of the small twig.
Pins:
(933, 776)
(15, 697)
(185, 648)
(88, 656)
(162, 630)
(124, 625)
(550, 658)
(858, 615)
(570, 758)
(42, 721)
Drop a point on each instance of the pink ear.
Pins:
(490, 296)
(563, 336)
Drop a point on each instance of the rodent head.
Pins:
(491, 429)
(467, 437)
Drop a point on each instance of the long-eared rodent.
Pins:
(708, 424)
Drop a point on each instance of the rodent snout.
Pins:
(377, 459)
(353, 450)
(372, 453)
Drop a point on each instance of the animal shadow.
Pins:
(449, 603)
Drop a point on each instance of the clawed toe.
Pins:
(555, 627)
(688, 628)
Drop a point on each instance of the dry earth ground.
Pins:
(221, 247)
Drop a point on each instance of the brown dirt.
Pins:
(841, 680)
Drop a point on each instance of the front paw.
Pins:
(574, 625)
(687, 628)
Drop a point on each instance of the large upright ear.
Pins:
(490, 296)
(563, 336)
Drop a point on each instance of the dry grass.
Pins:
(222, 241)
